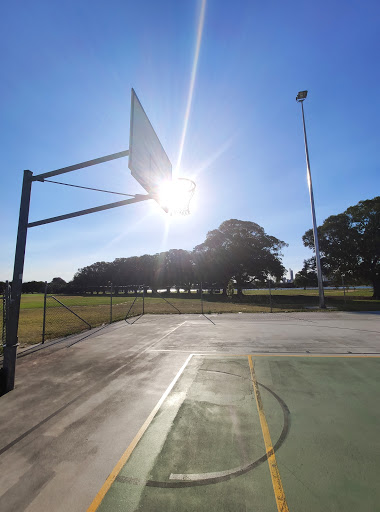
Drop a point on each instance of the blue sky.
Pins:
(66, 74)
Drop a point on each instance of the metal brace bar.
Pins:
(170, 304)
(114, 156)
(126, 316)
(71, 311)
(136, 199)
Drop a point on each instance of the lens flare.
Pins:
(192, 81)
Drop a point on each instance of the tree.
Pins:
(306, 276)
(180, 269)
(33, 287)
(96, 275)
(349, 244)
(125, 271)
(230, 289)
(57, 284)
(241, 250)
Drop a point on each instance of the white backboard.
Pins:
(148, 162)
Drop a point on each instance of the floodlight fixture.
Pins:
(301, 96)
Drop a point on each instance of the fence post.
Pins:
(270, 296)
(344, 290)
(111, 304)
(143, 300)
(44, 320)
(201, 290)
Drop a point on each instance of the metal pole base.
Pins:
(9, 367)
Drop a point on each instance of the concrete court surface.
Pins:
(79, 404)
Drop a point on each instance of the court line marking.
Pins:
(122, 461)
(278, 489)
(265, 354)
(210, 354)
(200, 352)
(169, 333)
(317, 355)
(147, 348)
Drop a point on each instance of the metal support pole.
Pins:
(201, 297)
(316, 243)
(10, 348)
(111, 304)
(143, 300)
(44, 320)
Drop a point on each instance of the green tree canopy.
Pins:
(56, 285)
(306, 277)
(97, 274)
(241, 250)
(238, 250)
(349, 243)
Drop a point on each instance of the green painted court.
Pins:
(183, 413)
(265, 433)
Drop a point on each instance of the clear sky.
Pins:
(218, 80)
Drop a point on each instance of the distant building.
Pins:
(291, 275)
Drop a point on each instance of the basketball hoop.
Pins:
(186, 189)
(176, 196)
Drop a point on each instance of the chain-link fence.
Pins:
(68, 314)
(61, 320)
(54, 315)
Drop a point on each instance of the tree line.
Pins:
(238, 250)
(242, 253)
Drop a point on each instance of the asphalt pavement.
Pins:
(80, 403)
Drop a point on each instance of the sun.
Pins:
(176, 195)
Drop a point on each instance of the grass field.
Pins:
(95, 309)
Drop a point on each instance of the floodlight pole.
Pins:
(322, 304)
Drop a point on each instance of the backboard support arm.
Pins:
(138, 198)
(82, 165)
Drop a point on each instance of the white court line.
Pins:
(116, 470)
(148, 348)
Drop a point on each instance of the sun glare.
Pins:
(176, 195)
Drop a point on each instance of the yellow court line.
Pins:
(348, 356)
(116, 470)
(279, 493)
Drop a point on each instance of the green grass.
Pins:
(36, 300)
(351, 292)
(95, 309)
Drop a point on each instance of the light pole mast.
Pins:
(301, 96)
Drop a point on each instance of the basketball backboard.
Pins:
(148, 162)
